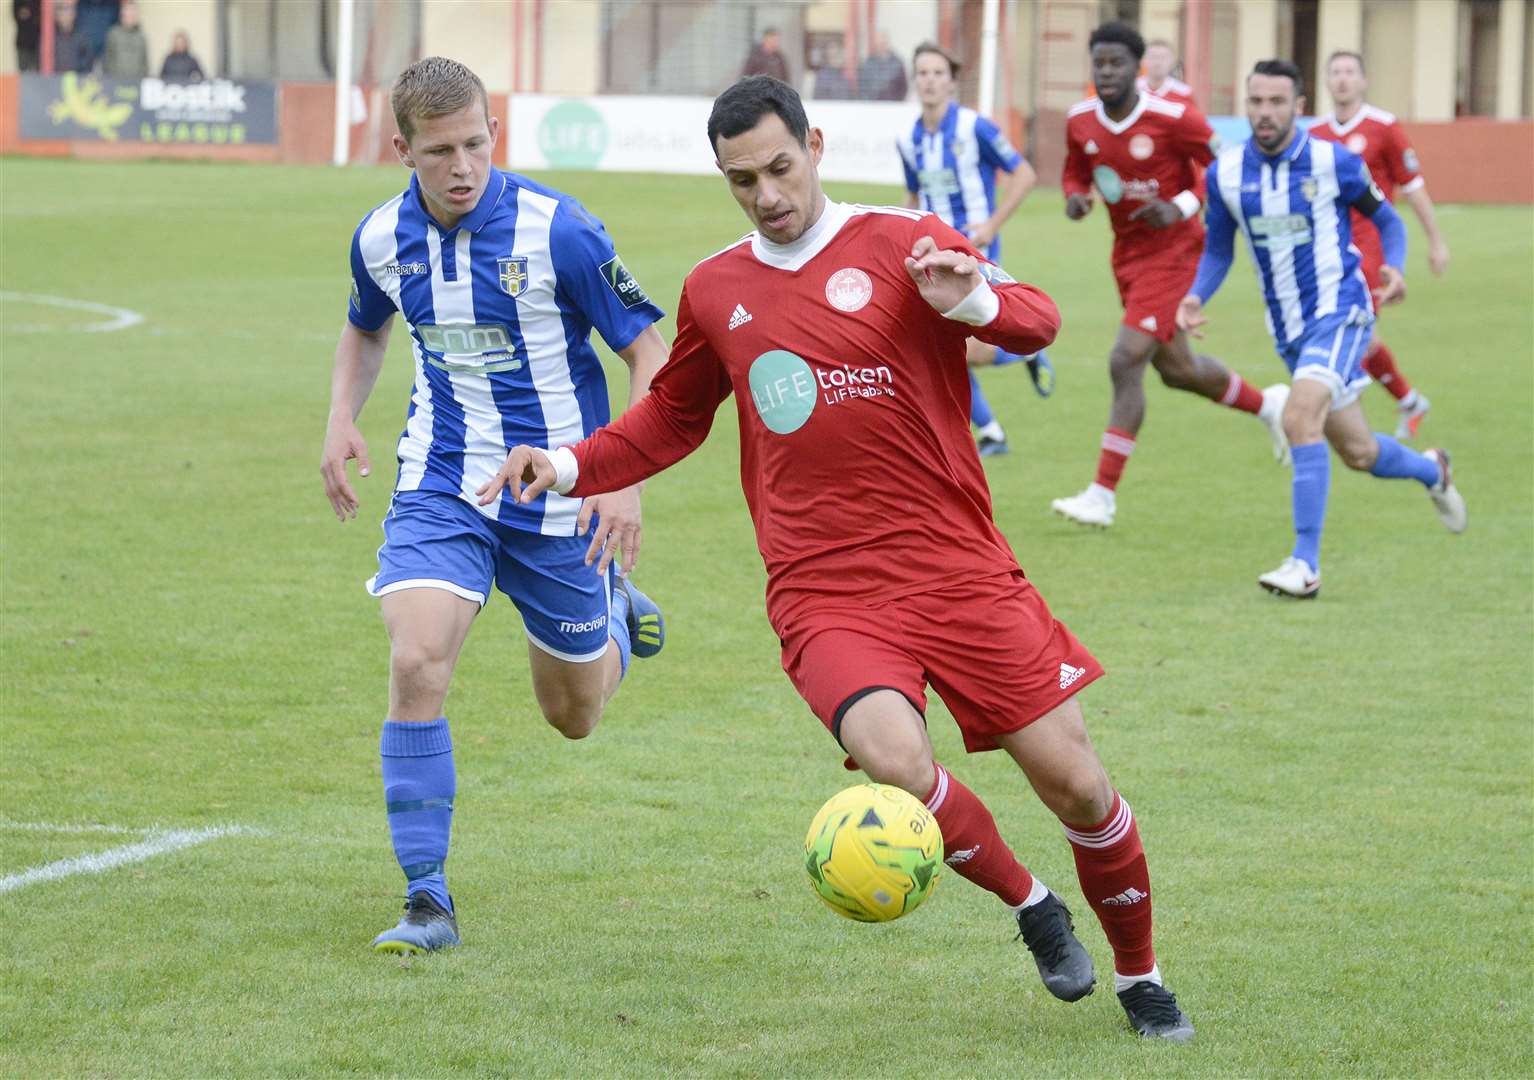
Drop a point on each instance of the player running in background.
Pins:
(1374, 135)
(1160, 62)
(501, 282)
(951, 157)
(1290, 195)
(885, 571)
(1145, 156)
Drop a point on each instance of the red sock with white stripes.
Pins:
(1240, 394)
(1380, 363)
(972, 845)
(1110, 863)
(1117, 446)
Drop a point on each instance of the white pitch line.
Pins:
(159, 843)
(121, 318)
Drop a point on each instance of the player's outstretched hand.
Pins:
(1158, 214)
(943, 277)
(1438, 258)
(1190, 316)
(617, 529)
(528, 472)
(1392, 288)
(342, 443)
(1077, 206)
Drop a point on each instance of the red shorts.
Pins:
(1373, 257)
(1151, 291)
(989, 647)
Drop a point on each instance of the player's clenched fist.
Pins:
(528, 472)
(1077, 206)
(1190, 315)
(943, 277)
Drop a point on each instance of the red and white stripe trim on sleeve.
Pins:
(1118, 444)
(940, 791)
(1120, 821)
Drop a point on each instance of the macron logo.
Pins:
(1069, 675)
(957, 857)
(740, 317)
(1129, 896)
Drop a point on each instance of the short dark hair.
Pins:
(937, 50)
(1284, 69)
(1345, 52)
(1118, 33)
(742, 106)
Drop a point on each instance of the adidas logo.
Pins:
(1129, 896)
(1069, 675)
(1147, 323)
(956, 857)
(740, 317)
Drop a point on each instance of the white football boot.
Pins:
(1272, 416)
(1447, 500)
(1294, 577)
(1409, 414)
(1095, 506)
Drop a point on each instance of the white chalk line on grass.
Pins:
(7, 825)
(155, 842)
(120, 318)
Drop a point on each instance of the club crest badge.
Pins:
(849, 289)
(513, 274)
(1309, 188)
(1141, 147)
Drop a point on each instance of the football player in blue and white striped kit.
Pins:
(951, 156)
(1290, 195)
(501, 282)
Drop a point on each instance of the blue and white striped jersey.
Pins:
(1294, 211)
(500, 310)
(953, 169)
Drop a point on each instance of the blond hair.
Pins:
(435, 86)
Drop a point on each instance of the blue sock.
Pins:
(618, 629)
(1312, 478)
(980, 413)
(419, 785)
(1004, 358)
(1397, 462)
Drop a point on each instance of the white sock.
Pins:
(1035, 894)
(1124, 982)
(1409, 401)
(1105, 494)
(993, 431)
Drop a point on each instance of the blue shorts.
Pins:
(1331, 350)
(433, 540)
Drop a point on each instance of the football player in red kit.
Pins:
(1375, 135)
(841, 332)
(1145, 155)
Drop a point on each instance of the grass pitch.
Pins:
(1337, 798)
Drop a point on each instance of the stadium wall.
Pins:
(627, 134)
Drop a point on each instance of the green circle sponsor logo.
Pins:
(783, 389)
(1108, 183)
(572, 135)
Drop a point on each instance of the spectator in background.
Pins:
(71, 51)
(180, 65)
(831, 82)
(29, 32)
(767, 57)
(882, 76)
(1159, 63)
(127, 53)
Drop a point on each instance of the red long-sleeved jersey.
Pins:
(853, 399)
